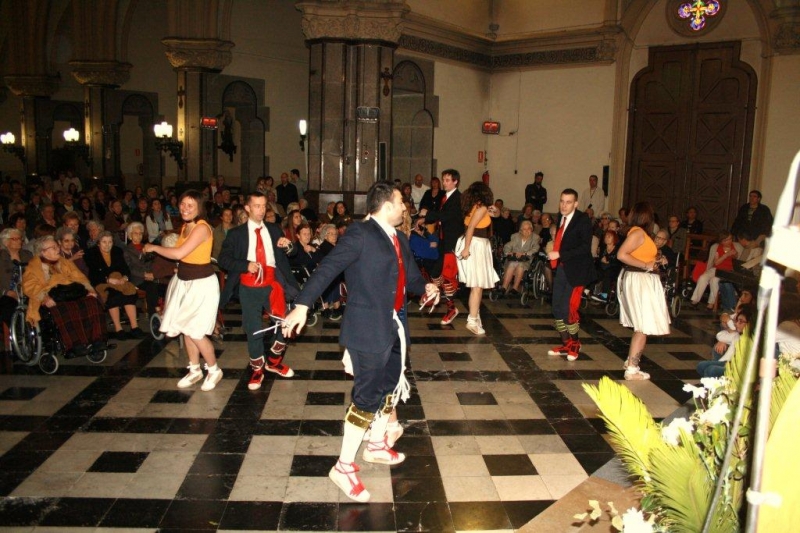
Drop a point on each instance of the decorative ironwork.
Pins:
(9, 146)
(167, 144)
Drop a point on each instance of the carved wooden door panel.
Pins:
(690, 132)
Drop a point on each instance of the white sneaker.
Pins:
(191, 378)
(474, 325)
(211, 380)
(346, 478)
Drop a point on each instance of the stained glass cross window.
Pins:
(698, 10)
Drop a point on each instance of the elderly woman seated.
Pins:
(77, 313)
(141, 265)
(110, 275)
(10, 251)
(519, 251)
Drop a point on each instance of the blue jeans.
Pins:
(711, 369)
(727, 295)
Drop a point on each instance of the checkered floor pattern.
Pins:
(495, 430)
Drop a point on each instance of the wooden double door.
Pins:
(690, 132)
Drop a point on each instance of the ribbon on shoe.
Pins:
(403, 389)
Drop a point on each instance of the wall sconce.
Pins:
(9, 145)
(303, 125)
(166, 143)
(386, 76)
(73, 144)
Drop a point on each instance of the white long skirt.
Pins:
(477, 270)
(191, 307)
(642, 304)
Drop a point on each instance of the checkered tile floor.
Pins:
(495, 432)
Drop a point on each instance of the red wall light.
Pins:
(209, 123)
(491, 128)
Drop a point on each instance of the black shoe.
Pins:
(77, 350)
(120, 335)
(98, 346)
(137, 333)
(335, 315)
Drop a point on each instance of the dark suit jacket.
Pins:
(576, 250)
(99, 270)
(367, 257)
(233, 259)
(451, 216)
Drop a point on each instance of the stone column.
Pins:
(195, 61)
(351, 57)
(36, 141)
(97, 78)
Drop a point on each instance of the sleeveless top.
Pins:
(727, 263)
(647, 251)
(485, 222)
(202, 254)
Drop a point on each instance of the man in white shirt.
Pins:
(418, 189)
(594, 197)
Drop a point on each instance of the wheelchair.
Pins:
(534, 281)
(500, 266)
(301, 275)
(41, 344)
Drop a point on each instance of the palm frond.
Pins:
(782, 387)
(681, 485)
(735, 368)
(632, 431)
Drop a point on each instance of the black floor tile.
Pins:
(520, 513)
(76, 512)
(479, 515)
(418, 489)
(309, 516)
(119, 462)
(322, 428)
(10, 481)
(509, 465)
(449, 428)
(331, 355)
(21, 460)
(312, 465)
(476, 398)
(555, 411)
(490, 427)
(277, 427)
(24, 511)
(172, 396)
(252, 515)
(205, 487)
(416, 466)
(39, 441)
(433, 517)
(536, 426)
(193, 514)
(414, 445)
(325, 398)
(217, 464)
(245, 411)
(107, 425)
(593, 461)
(573, 426)
(410, 412)
(366, 517)
(192, 426)
(226, 443)
(586, 443)
(455, 356)
(20, 393)
(130, 513)
(148, 425)
(21, 423)
(687, 356)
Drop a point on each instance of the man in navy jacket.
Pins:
(374, 328)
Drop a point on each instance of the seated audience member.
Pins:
(141, 265)
(158, 223)
(93, 230)
(725, 346)
(425, 246)
(720, 257)
(73, 222)
(727, 319)
(676, 235)
(342, 214)
(293, 221)
(405, 190)
(519, 251)
(527, 214)
(601, 226)
(607, 265)
(10, 251)
(80, 321)
(221, 231)
(614, 225)
(754, 220)
(691, 224)
(69, 248)
(666, 257)
(110, 275)
(503, 226)
(308, 212)
(86, 210)
(304, 255)
(327, 216)
(272, 202)
(547, 232)
(20, 223)
(142, 210)
(271, 217)
(116, 221)
(163, 269)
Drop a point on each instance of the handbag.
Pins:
(698, 270)
(68, 293)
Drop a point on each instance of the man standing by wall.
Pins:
(535, 193)
(451, 226)
(300, 183)
(253, 255)
(571, 259)
(753, 222)
(286, 192)
(378, 268)
(418, 190)
(594, 197)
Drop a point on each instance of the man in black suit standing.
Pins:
(571, 259)
(378, 267)
(286, 192)
(450, 217)
(535, 193)
(254, 257)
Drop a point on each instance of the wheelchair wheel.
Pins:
(612, 308)
(494, 294)
(97, 357)
(25, 339)
(538, 282)
(155, 323)
(524, 297)
(675, 306)
(312, 319)
(48, 363)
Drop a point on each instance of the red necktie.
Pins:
(261, 252)
(401, 276)
(557, 242)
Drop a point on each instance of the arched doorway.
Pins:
(240, 135)
(690, 131)
(412, 124)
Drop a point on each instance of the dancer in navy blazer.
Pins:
(572, 257)
(374, 328)
(264, 283)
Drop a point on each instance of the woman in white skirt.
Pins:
(193, 293)
(475, 266)
(643, 305)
